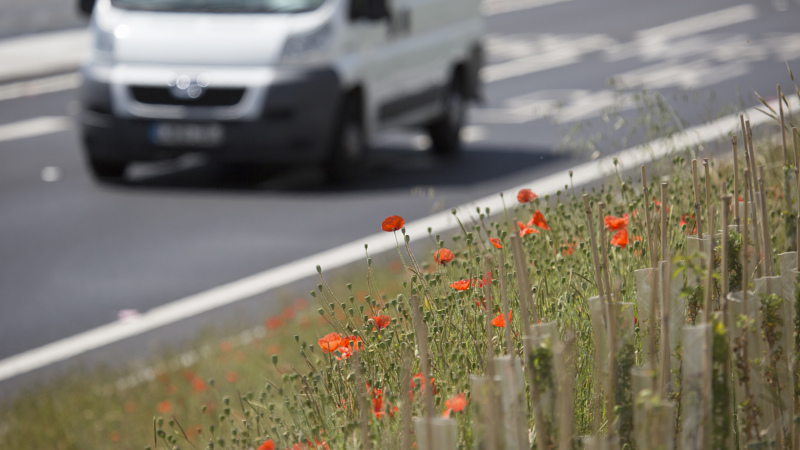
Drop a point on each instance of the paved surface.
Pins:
(75, 253)
(36, 16)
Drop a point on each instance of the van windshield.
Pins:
(269, 6)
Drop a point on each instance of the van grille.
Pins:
(211, 97)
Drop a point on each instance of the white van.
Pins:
(274, 81)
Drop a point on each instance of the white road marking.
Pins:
(354, 251)
(33, 127)
(702, 23)
(548, 52)
(493, 7)
(40, 86)
(43, 53)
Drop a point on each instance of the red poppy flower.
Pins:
(526, 196)
(232, 376)
(480, 303)
(416, 381)
(455, 403)
(165, 407)
(486, 280)
(620, 238)
(443, 256)
(461, 285)
(538, 220)
(392, 223)
(500, 321)
(495, 242)
(198, 385)
(269, 444)
(569, 249)
(382, 321)
(330, 342)
(524, 230)
(616, 223)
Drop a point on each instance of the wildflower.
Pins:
(500, 321)
(198, 385)
(226, 346)
(569, 248)
(232, 376)
(377, 403)
(269, 444)
(495, 242)
(620, 238)
(616, 223)
(392, 223)
(538, 220)
(274, 323)
(691, 224)
(329, 342)
(461, 285)
(165, 407)
(443, 256)
(480, 303)
(658, 204)
(130, 406)
(382, 321)
(416, 381)
(455, 403)
(524, 230)
(525, 196)
(486, 280)
(115, 437)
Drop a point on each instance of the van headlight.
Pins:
(315, 41)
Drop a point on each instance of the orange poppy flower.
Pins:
(486, 280)
(500, 321)
(524, 230)
(568, 248)
(616, 223)
(198, 385)
(416, 380)
(381, 322)
(620, 238)
(495, 242)
(165, 407)
(538, 220)
(455, 403)
(392, 223)
(525, 196)
(329, 343)
(269, 444)
(461, 285)
(232, 376)
(443, 256)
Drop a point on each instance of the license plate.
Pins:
(174, 134)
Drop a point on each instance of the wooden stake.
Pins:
(422, 346)
(765, 227)
(726, 203)
(754, 220)
(697, 220)
(783, 127)
(735, 183)
(611, 318)
(505, 307)
(528, 306)
(492, 428)
(708, 205)
(745, 239)
(709, 270)
(664, 233)
(595, 258)
(648, 233)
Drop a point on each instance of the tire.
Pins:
(348, 144)
(107, 171)
(445, 132)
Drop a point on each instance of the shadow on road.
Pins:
(387, 168)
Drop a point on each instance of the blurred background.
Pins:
(565, 81)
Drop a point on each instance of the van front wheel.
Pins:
(445, 133)
(349, 146)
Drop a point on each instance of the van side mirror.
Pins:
(369, 10)
(86, 6)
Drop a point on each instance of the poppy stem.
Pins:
(593, 241)
(735, 183)
(611, 322)
(768, 264)
(697, 220)
(648, 233)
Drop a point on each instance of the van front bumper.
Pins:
(294, 125)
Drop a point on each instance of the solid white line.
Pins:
(33, 127)
(354, 251)
(40, 86)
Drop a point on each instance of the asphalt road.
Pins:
(74, 253)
